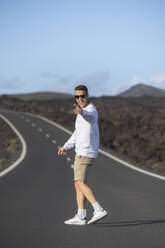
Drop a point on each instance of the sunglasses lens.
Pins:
(82, 96)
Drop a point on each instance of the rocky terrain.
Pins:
(41, 96)
(9, 144)
(133, 128)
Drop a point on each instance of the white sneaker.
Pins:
(97, 215)
(75, 221)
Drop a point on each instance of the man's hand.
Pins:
(77, 109)
(61, 151)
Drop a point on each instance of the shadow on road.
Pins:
(129, 223)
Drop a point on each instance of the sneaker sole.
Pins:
(78, 224)
(99, 218)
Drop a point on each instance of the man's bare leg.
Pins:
(82, 191)
(79, 197)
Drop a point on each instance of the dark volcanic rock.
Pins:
(9, 143)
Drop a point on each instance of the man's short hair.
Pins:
(82, 87)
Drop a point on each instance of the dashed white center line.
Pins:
(33, 124)
(47, 135)
(40, 129)
(68, 159)
(27, 120)
(54, 141)
(72, 166)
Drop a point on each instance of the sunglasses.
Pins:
(77, 96)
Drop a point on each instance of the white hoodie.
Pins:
(85, 137)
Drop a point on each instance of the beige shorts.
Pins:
(81, 166)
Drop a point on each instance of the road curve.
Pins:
(38, 195)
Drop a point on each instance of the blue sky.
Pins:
(109, 45)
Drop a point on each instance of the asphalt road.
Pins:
(38, 195)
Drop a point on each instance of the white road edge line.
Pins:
(24, 148)
(101, 151)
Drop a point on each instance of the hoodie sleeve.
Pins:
(90, 115)
(71, 141)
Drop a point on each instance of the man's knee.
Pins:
(79, 184)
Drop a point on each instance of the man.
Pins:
(85, 139)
